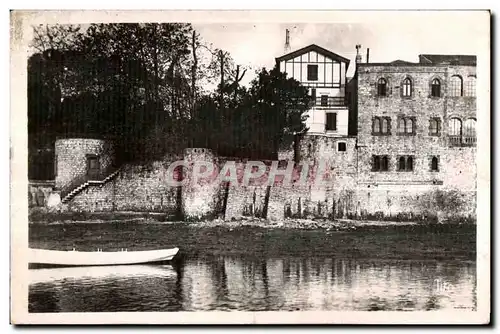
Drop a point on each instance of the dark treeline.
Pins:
(144, 87)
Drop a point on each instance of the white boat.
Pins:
(46, 257)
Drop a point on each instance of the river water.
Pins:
(258, 283)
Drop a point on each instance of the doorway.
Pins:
(93, 166)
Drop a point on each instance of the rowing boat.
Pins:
(46, 257)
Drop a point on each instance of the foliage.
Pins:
(253, 122)
(447, 202)
(142, 86)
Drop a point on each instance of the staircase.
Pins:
(67, 196)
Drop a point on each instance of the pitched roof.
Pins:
(318, 49)
(402, 62)
(447, 59)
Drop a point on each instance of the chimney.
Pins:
(287, 41)
(358, 56)
(367, 55)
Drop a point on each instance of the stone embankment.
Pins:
(45, 217)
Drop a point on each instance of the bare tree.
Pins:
(57, 37)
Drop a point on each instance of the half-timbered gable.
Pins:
(324, 72)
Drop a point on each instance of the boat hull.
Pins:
(53, 258)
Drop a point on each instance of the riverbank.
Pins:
(46, 217)
(248, 238)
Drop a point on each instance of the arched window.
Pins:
(406, 125)
(470, 86)
(409, 125)
(407, 87)
(401, 125)
(376, 125)
(409, 163)
(382, 87)
(455, 127)
(456, 86)
(436, 88)
(434, 164)
(434, 126)
(402, 163)
(405, 163)
(376, 162)
(384, 164)
(470, 128)
(385, 125)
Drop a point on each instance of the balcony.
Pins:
(460, 141)
(329, 101)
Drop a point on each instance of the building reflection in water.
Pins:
(260, 284)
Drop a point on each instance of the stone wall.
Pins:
(145, 188)
(421, 106)
(246, 201)
(332, 198)
(345, 193)
(414, 201)
(394, 191)
(199, 197)
(71, 158)
(39, 192)
(95, 198)
(135, 188)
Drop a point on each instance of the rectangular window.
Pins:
(384, 163)
(324, 100)
(470, 86)
(434, 126)
(312, 72)
(455, 86)
(93, 165)
(342, 147)
(434, 164)
(375, 163)
(55, 165)
(331, 121)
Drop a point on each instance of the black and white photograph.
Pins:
(250, 167)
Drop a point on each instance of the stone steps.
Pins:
(88, 183)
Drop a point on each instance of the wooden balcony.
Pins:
(459, 141)
(330, 101)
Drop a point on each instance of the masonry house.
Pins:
(416, 128)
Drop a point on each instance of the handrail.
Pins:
(330, 101)
(82, 179)
(457, 140)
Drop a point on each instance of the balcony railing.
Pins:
(462, 140)
(330, 101)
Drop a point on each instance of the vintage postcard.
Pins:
(250, 167)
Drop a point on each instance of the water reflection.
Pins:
(252, 284)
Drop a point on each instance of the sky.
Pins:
(255, 38)
(258, 44)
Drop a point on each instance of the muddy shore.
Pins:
(256, 237)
